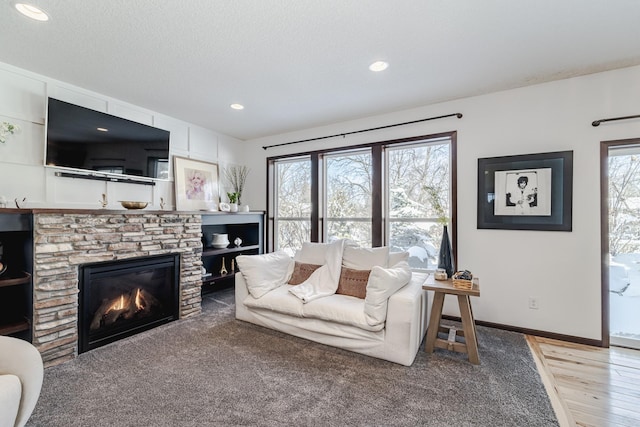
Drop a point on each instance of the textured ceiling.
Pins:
(296, 64)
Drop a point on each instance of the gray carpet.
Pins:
(216, 371)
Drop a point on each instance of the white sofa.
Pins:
(387, 326)
(21, 374)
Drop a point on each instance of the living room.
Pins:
(561, 270)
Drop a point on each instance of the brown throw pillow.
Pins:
(353, 282)
(301, 272)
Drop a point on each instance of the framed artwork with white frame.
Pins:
(196, 184)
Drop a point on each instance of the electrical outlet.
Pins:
(533, 303)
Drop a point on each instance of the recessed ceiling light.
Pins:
(237, 106)
(32, 12)
(378, 66)
(102, 129)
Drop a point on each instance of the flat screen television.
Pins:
(89, 140)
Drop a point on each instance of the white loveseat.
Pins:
(387, 321)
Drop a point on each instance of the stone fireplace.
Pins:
(65, 241)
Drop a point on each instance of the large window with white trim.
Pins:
(395, 193)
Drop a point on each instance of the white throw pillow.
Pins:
(264, 273)
(383, 282)
(364, 258)
(312, 253)
(396, 257)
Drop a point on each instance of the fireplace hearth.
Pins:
(122, 298)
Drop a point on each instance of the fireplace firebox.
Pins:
(122, 298)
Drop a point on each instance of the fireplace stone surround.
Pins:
(64, 240)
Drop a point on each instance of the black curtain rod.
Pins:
(458, 115)
(597, 122)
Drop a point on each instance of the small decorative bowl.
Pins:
(133, 205)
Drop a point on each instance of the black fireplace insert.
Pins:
(122, 298)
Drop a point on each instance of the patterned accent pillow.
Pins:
(301, 272)
(353, 282)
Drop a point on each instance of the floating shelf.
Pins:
(228, 250)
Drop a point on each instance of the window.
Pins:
(293, 204)
(418, 176)
(378, 194)
(348, 197)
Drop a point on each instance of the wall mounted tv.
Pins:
(89, 140)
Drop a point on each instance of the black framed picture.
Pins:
(526, 192)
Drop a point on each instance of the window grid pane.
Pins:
(292, 224)
(418, 194)
(348, 185)
(420, 238)
(291, 234)
(412, 172)
(358, 230)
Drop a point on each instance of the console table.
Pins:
(470, 344)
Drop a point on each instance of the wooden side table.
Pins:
(470, 345)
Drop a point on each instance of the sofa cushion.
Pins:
(312, 253)
(364, 258)
(341, 309)
(396, 257)
(383, 282)
(265, 272)
(279, 300)
(353, 282)
(301, 272)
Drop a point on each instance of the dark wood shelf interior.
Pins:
(210, 279)
(16, 293)
(14, 327)
(14, 279)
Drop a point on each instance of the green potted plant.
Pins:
(233, 201)
(237, 177)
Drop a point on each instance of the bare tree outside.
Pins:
(349, 197)
(624, 204)
(293, 210)
(415, 173)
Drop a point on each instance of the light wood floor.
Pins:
(590, 386)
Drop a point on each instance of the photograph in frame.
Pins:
(523, 192)
(196, 184)
(526, 192)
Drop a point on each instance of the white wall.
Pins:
(23, 97)
(561, 269)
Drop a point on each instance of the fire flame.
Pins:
(138, 300)
(120, 303)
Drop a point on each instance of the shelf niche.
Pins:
(247, 226)
(16, 255)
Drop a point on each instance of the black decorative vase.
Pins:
(445, 257)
